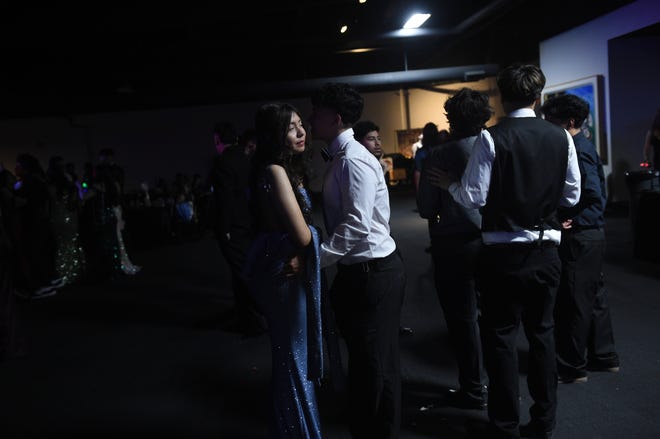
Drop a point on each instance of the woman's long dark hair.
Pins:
(272, 124)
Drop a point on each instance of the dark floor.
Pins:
(146, 356)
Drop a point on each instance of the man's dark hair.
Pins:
(520, 84)
(430, 135)
(342, 98)
(31, 165)
(564, 107)
(467, 112)
(249, 135)
(361, 128)
(226, 132)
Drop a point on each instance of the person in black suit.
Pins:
(233, 226)
(520, 172)
(455, 243)
(583, 326)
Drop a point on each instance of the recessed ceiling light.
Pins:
(343, 29)
(416, 20)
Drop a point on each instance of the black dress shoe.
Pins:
(573, 377)
(603, 366)
(533, 431)
(463, 400)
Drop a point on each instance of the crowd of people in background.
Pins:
(67, 227)
(64, 227)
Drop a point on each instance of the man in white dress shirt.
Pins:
(367, 291)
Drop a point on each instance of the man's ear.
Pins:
(571, 123)
(338, 120)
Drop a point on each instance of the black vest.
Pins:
(528, 175)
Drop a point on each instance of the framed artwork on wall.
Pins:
(590, 89)
(406, 140)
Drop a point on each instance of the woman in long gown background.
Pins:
(283, 270)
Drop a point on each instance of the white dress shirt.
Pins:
(356, 205)
(473, 188)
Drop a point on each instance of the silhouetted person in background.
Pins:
(111, 177)
(70, 259)
(429, 140)
(36, 245)
(232, 222)
(583, 326)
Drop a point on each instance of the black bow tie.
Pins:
(326, 154)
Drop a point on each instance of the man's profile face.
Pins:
(371, 141)
(324, 122)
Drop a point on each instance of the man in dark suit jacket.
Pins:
(455, 242)
(233, 228)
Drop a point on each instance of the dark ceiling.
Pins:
(107, 56)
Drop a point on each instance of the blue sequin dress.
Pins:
(292, 306)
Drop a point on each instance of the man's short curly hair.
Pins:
(342, 98)
(467, 112)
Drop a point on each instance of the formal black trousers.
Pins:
(519, 282)
(367, 300)
(235, 252)
(582, 318)
(454, 262)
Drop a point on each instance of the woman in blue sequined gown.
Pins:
(283, 270)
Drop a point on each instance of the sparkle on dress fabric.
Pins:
(292, 306)
(69, 258)
(127, 267)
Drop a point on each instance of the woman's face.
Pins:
(295, 135)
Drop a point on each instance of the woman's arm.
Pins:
(286, 206)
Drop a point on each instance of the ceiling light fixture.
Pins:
(343, 29)
(416, 20)
(358, 50)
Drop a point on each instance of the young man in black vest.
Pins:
(520, 172)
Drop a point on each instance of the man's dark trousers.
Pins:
(519, 282)
(367, 299)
